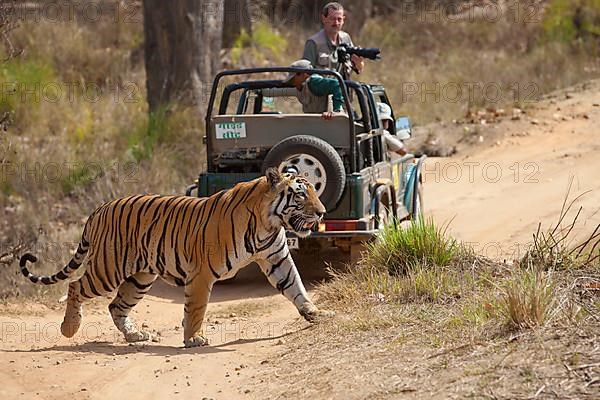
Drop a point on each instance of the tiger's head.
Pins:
(296, 206)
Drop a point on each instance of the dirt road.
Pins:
(96, 364)
(495, 199)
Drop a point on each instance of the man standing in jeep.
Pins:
(321, 48)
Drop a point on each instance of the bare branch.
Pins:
(8, 22)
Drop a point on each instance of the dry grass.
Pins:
(554, 249)
(527, 298)
(474, 328)
(382, 349)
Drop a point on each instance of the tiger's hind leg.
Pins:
(130, 293)
(73, 313)
(83, 289)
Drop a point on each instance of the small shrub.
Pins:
(421, 243)
(526, 298)
(80, 177)
(567, 20)
(144, 138)
(263, 40)
(552, 249)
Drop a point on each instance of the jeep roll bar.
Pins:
(277, 83)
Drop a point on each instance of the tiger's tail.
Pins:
(61, 275)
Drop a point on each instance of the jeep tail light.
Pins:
(341, 225)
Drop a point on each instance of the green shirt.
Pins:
(321, 86)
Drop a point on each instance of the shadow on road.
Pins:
(156, 349)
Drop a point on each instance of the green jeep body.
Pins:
(252, 116)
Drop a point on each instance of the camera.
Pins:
(344, 52)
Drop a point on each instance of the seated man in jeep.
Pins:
(313, 90)
(393, 142)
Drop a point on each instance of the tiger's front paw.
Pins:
(311, 313)
(195, 341)
(137, 336)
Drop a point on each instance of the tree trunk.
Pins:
(357, 14)
(182, 45)
(236, 19)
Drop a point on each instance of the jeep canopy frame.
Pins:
(258, 84)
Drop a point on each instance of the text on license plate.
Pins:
(292, 243)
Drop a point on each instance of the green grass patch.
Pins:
(264, 39)
(422, 243)
(144, 138)
(567, 20)
(25, 83)
(79, 178)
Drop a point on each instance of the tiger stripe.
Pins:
(129, 242)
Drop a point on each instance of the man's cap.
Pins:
(298, 64)
(384, 111)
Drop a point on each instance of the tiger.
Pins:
(191, 242)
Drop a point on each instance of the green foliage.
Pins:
(79, 178)
(263, 39)
(421, 243)
(430, 284)
(566, 20)
(266, 37)
(24, 83)
(143, 139)
(6, 188)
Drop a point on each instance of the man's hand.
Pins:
(359, 62)
(327, 115)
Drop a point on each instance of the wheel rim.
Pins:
(309, 168)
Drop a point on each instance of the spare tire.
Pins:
(314, 159)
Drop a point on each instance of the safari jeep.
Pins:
(253, 124)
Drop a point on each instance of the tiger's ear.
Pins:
(274, 177)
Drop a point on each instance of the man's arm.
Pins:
(359, 62)
(310, 52)
(321, 86)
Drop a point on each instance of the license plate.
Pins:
(231, 130)
(292, 243)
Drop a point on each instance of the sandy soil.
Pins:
(494, 199)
